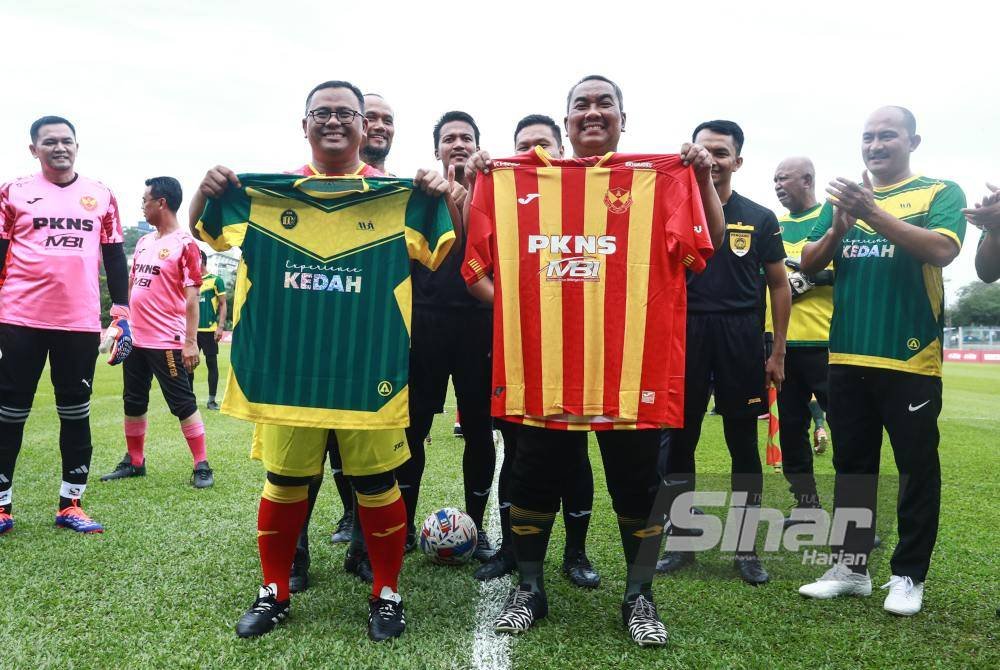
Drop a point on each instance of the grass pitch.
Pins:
(164, 585)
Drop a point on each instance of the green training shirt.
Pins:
(888, 307)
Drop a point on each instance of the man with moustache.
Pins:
(374, 149)
(335, 125)
(889, 238)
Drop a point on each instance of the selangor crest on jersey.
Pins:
(88, 203)
(739, 243)
(164, 253)
(618, 200)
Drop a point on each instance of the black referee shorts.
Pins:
(168, 367)
(455, 343)
(207, 343)
(724, 350)
(23, 352)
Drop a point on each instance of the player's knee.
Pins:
(16, 408)
(376, 490)
(135, 407)
(73, 406)
(373, 485)
(184, 409)
(284, 489)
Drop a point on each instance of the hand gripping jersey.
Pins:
(322, 298)
(588, 259)
(162, 268)
(888, 307)
(212, 287)
(51, 274)
(809, 323)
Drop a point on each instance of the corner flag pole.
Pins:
(773, 452)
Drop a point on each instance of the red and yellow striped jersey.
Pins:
(588, 259)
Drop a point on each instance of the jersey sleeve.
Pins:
(8, 216)
(111, 223)
(772, 248)
(223, 222)
(823, 223)
(688, 225)
(429, 230)
(190, 265)
(220, 285)
(478, 261)
(945, 214)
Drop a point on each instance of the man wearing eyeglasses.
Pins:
(334, 125)
(374, 150)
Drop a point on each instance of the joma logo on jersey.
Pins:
(62, 224)
(572, 244)
(66, 240)
(869, 251)
(366, 225)
(578, 268)
(317, 281)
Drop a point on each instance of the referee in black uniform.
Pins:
(451, 335)
(725, 344)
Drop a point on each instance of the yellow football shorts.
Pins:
(299, 452)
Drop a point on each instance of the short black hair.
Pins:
(722, 127)
(167, 188)
(49, 121)
(454, 115)
(597, 77)
(336, 83)
(204, 259)
(538, 120)
(909, 120)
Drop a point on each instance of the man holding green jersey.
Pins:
(888, 238)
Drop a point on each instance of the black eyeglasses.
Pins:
(344, 116)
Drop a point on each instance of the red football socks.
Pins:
(135, 439)
(278, 526)
(385, 533)
(194, 433)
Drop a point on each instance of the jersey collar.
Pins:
(317, 173)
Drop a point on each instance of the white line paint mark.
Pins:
(490, 651)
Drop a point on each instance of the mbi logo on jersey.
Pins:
(583, 266)
(65, 240)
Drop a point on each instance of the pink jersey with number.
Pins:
(162, 268)
(55, 232)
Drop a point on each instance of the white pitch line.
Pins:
(489, 650)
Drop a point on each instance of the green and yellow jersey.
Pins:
(888, 307)
(809, 323)
(321, 314)
(212, 287)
